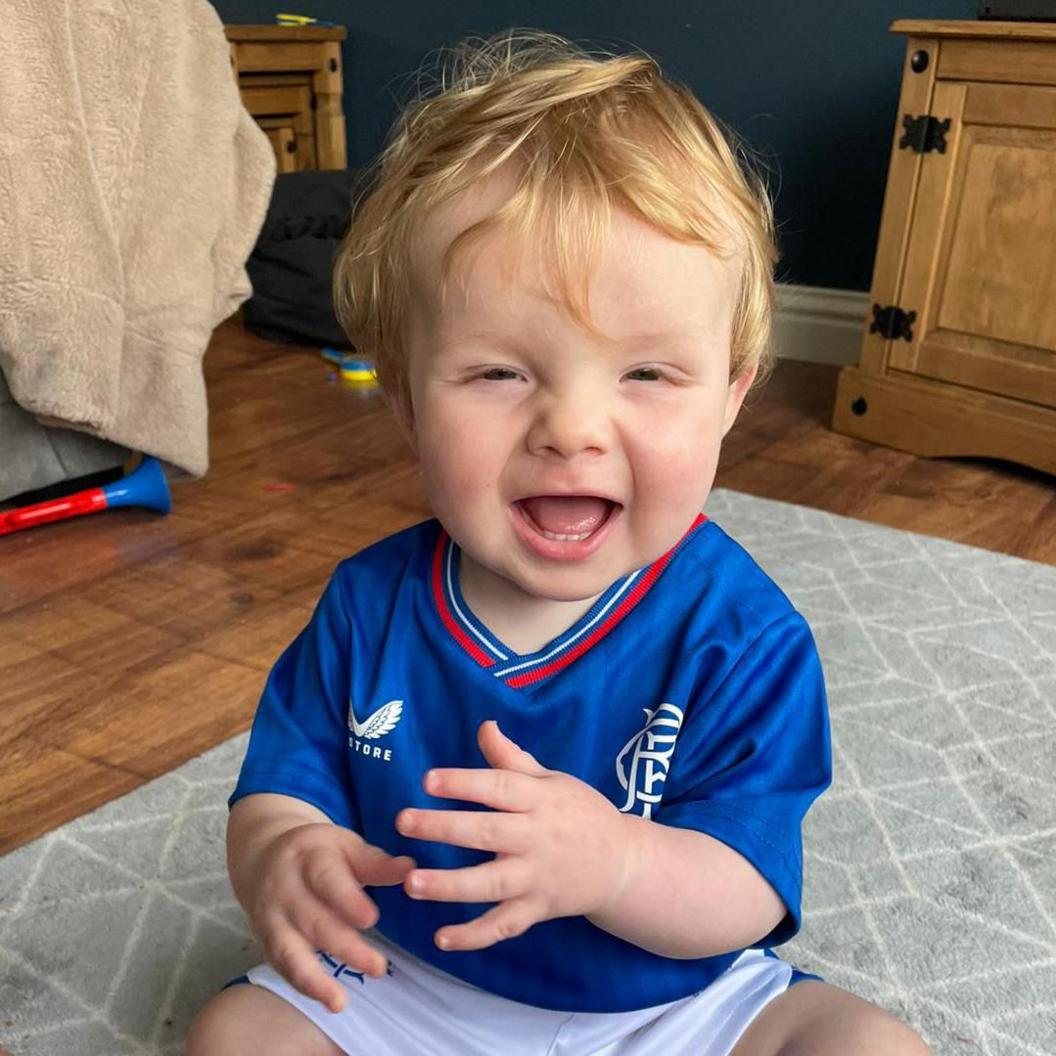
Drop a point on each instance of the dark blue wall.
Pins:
(812, 86)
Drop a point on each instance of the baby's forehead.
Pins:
(443, 223)
(639, 269)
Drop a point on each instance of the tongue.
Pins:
(566, 515)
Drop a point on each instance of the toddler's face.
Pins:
(557, 460)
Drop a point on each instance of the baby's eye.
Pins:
(644, 374)
(499, 374)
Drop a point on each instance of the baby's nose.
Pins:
(569, 425)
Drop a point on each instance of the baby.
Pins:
(565, 733)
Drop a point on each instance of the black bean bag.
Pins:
(290, 266)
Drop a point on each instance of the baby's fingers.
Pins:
(322, 929)
(377, 868)
(507, 920)
(495, 881)
(479, 830)
(333, 884)
(296, 961)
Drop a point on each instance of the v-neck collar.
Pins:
(516, 669)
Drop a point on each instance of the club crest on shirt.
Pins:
(373, 727)
(642, 763)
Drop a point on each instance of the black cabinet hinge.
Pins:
(924, 133)
(892, 322)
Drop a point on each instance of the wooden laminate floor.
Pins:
(130, 642)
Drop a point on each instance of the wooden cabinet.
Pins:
(290, 81)
(959, 350)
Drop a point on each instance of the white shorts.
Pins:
(418, 1010)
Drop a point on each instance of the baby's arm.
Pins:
(686, 894)
(299, 878)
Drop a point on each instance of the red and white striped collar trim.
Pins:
(517, 671)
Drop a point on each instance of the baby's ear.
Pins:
(735, 395)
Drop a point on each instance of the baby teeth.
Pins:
(565, 538)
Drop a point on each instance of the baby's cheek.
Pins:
(676, 471)
(457, 468)
(677, 452)
(450, 480)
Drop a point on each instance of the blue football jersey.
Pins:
(691, 693)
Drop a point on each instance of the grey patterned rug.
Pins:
(931, 863)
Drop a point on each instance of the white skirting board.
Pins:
(818, 324)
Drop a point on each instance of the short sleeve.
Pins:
(753, 755)
(299, 742)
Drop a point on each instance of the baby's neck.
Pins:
(522, 621)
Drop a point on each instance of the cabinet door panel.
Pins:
(981, 264)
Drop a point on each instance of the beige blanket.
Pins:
(133, 185)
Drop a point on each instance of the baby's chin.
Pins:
(567, 585)
(529, 578)
(568, 596)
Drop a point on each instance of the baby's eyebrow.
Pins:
(675, 334)
(674, 340)
(657, 337)
(495, 339)
(482, 335)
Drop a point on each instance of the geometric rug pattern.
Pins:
(930, 863)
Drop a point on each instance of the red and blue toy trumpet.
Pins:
(145, 486)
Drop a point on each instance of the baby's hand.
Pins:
(311, 897)
(561, 848)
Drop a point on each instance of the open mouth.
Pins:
(566, 518)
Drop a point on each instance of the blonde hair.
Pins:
(583, 134)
